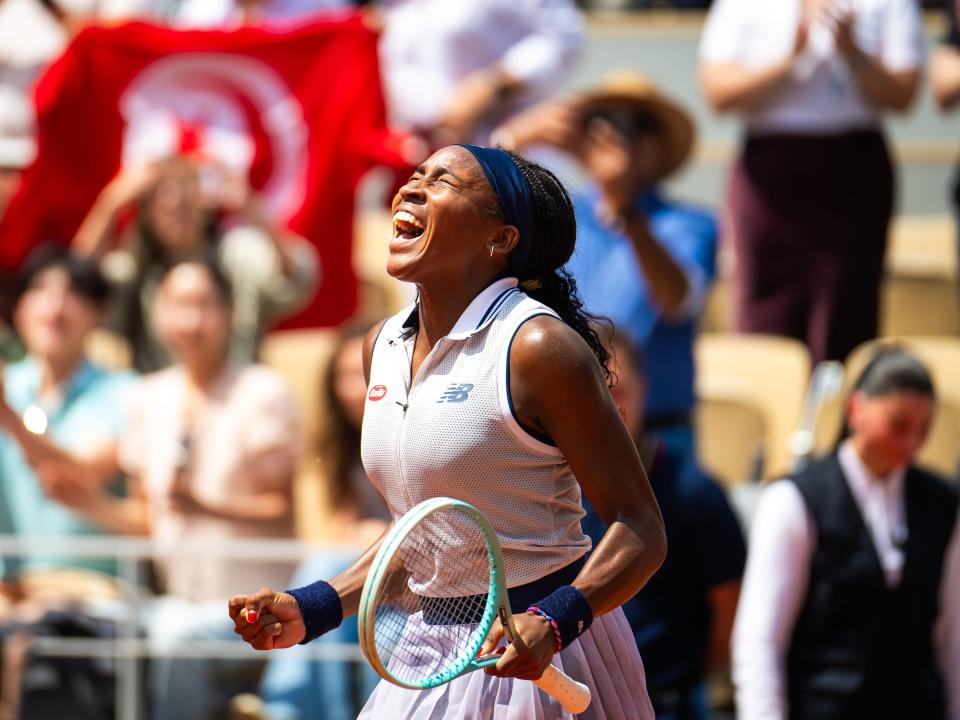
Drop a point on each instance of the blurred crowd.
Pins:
(847, 601)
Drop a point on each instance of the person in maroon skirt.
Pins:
(811, 195)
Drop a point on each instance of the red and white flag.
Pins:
(300, 111)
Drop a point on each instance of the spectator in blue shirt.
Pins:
(642, 259)
(683, 617)
(60, 415)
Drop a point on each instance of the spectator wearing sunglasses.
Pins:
(642, 259)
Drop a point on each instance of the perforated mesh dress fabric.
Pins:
(604, 658)
(452, 433)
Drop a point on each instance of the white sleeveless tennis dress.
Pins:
(452, 432)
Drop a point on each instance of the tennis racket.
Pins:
(433, 592)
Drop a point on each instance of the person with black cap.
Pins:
(484, 235)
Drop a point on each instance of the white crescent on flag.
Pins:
(233, 109)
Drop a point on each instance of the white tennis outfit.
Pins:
(452, 432)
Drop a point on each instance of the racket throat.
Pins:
(491, 658)
(506, 622)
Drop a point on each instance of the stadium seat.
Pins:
(919, 305)
(717, 313)
(768, 372)
(920, 289)
(729, 432)
(300, 356)
(941, 452)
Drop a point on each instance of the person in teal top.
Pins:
(60, 415)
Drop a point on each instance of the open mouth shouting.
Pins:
(406, 226)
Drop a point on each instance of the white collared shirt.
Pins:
(429, 46)
(782, 544)
(882, 504)
(451, 431)
(821, 96)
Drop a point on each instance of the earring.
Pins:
(492, 247)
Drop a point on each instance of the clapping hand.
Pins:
(841, 20)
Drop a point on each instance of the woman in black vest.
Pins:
(851, 599)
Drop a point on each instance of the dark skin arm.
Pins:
(269, 619)
(559, 389)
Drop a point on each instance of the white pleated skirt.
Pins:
(605, 658)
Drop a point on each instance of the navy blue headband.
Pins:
(513, 192)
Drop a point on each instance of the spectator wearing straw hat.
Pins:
(642, 259)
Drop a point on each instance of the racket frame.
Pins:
(497, 602)
(573, 695)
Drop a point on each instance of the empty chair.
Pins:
(920, 289)
(729, 432)
(300, 356)
(773, 373)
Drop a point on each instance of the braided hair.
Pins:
(543, 275)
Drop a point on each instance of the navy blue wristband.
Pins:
(571, 611)
(321, 608)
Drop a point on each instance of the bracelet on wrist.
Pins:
(558, 644)
(569, 609)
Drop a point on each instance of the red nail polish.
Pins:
(251, 616)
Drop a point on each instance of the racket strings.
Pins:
(432, 602)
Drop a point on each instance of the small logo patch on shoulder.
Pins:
(378, 392)
(456, 393)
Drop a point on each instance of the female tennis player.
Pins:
(492, 389)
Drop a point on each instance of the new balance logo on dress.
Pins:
(456, 393)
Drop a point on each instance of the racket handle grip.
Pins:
(574, 696)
